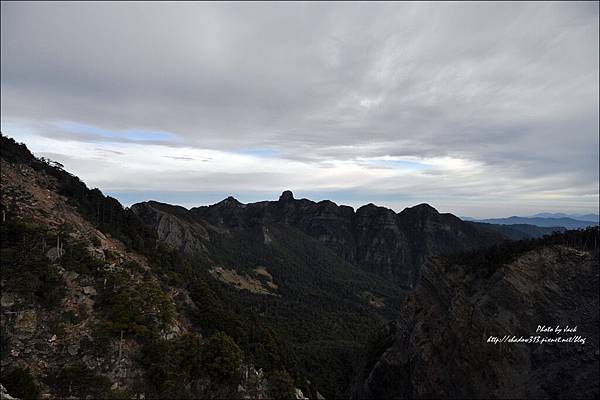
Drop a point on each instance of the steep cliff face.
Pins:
(377, 239)
(450, 339)
(382, 246)
(173, 227)
(428, 233)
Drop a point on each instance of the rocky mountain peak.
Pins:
(370, 208)
(229, 202)
(423, 209)
(287, 195)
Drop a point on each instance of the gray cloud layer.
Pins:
(513, 86)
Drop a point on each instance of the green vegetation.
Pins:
(4, 342)
(25, 268)
(320, 317)
(484, 262)
(19, 383)
(78, 380)
(171, 266)
(171, 365)
(281, 385)
(102, 337)
(138, 308)
(221, 357)
(77, 258)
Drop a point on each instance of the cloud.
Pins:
(483, 98)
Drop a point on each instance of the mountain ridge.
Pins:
(579, 217)
(392, 245)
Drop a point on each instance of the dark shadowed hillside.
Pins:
(442, 345)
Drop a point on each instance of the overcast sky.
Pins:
(480, 109)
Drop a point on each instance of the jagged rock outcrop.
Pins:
(287, 195)
(445, 342)
(392, 245)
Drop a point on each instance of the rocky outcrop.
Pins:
(287, 195)
(25, 324)
(477, 333)
(246, 282)
(4, 394)
(172, 226)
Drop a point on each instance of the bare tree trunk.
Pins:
(120, 348)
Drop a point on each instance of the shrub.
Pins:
(221, 357)
(101, 340)
(25, 268)
(81, 381)
(139, 308)
(4, 342)
(19, 383)
(77, 258)
(281, 385)
(170, 365)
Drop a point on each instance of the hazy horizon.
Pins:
(478, 109)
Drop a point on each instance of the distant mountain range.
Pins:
(544, 220)
(578, 217)
(521, 231)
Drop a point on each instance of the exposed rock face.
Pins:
(4, 394)
(381, 246)
(7, 300)
(245, 281)
(172, 227)
(376, 238)
(25, 324)
(441, 347)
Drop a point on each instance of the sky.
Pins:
(479, 109)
